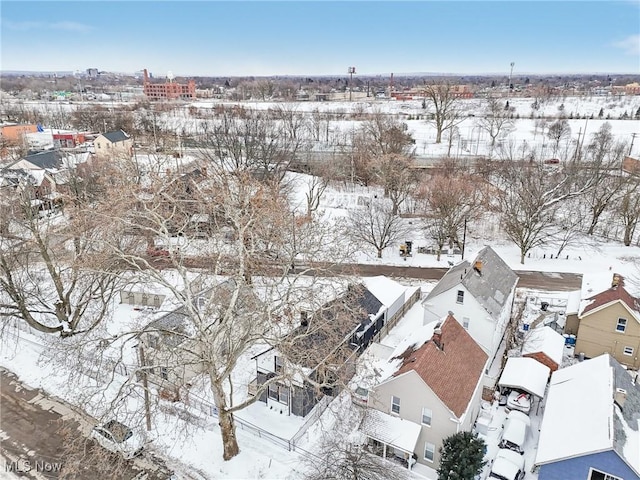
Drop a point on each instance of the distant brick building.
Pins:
(168, 90)
(631, 165)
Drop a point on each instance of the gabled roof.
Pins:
(452, 370)
(525, 373)
(116, 136)
(490, 286)
(582, 415)
(614, 294)
(48, 159)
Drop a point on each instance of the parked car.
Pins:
(518, 400)
(118, 438)
(360, 396)
(508, 465)
(515, 431)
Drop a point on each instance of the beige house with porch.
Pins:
(435, 392)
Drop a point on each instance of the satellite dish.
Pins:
(170, 75)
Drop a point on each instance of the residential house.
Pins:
(168, 347)
(545, 345)
(434, 391)
(479, 294)
(609, 322)
(323, 348)
(113, 143)
(590, 425)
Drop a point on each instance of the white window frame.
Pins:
(607, 476)
(432, 450)
(395, 404)
(460, 297)
(624, 325)
(465, 323)
(429, 415)
(628, 351)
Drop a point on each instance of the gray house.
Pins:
(317, 358)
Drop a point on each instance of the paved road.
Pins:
(548, 281)
(34, 428)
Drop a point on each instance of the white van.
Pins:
(515, 431)
(508, 465)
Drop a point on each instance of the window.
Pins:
(622, 325)
(598, 475)
(426, 416)
(273, 392)
(429, 451)
(628, 350)
(465, 323)
(395, 405)
(460, 296)
(279, 364)
(284, 395)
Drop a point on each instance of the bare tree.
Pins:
(219, 322)
(398, 177)
(447, 112)
(495, 119)
(629, 209)
(448, 201)
(55, 274)
(558, 131)
(530, 197)
(375, 224)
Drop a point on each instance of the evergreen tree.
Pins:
(461, 457)
(424, 103)
(638, 114)
(601, 113)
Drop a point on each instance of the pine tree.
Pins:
(601, 113)
(638, 114)
(461, 457)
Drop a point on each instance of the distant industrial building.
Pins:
(169, 89)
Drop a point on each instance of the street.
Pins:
(39, 435)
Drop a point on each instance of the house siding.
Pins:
(481, 326)
(597, 335)
(578, 468)
(415, 394)
(572, 324)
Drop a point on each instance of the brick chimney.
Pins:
(437, 338)
(617, 280)
(477, 266)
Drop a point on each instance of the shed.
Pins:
(545, 345)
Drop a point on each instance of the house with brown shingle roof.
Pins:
(609, 322)
(436, 385)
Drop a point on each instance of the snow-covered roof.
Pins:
(384, 289)
(489, 279)
(578, 412)
(385, 428)
(545, 340)
(525, 374)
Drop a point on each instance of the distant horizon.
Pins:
(322, 38)
(367, 75)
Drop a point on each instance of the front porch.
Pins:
(390, 437)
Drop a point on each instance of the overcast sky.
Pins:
(322, 38)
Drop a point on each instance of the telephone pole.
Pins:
(633, 137)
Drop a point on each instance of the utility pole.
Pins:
(351, 71)
(575, 155)
(510, 74)
(145, 385)
(633, 137)
(464, 236)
